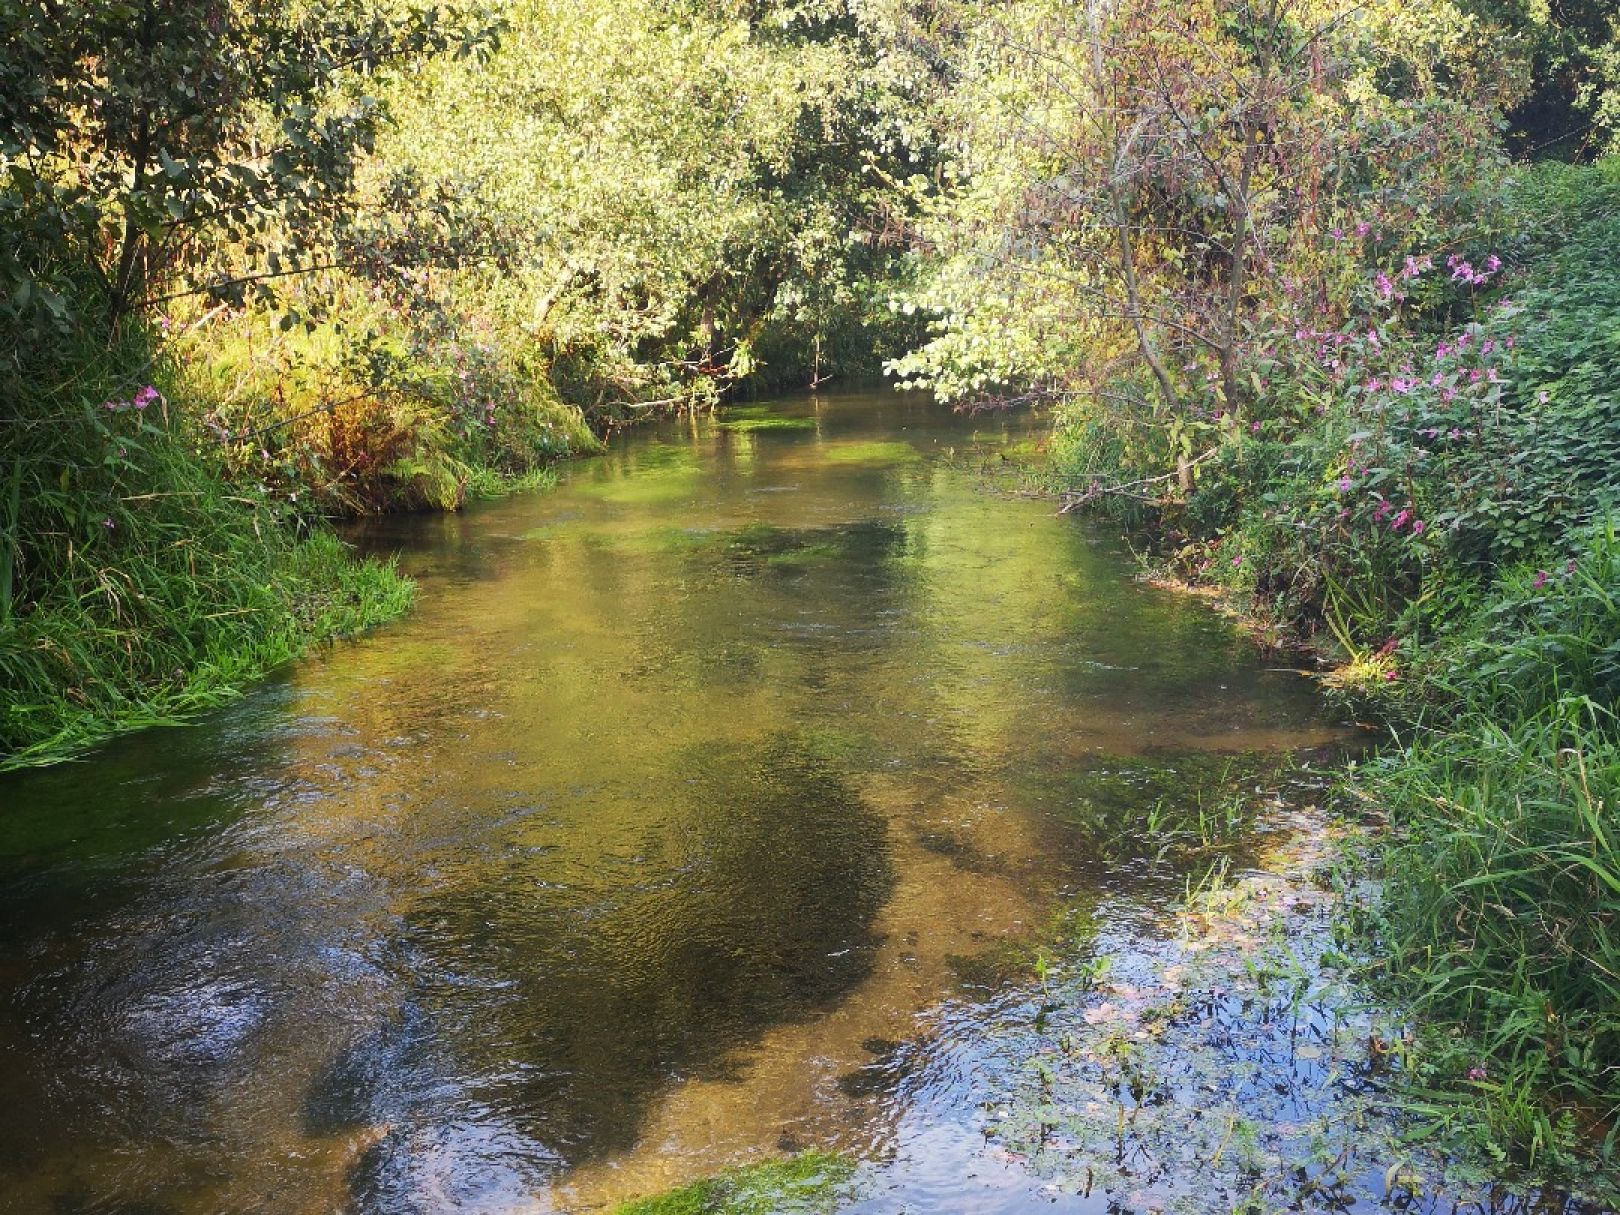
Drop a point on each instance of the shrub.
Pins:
(363, 410)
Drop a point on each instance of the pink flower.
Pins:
(1493, 264)
(1344, 485)
(1399, 521)
(1385, 287)
(1237, 561)
(1541, 580)
(1419, 527)
(146, 396)
(1477, 1072)
(1363, 227)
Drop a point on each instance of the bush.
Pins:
(364, 410)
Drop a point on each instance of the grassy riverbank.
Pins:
(140, 583)
(1444, 535)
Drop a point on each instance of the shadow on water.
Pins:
(771, 871)
(708, 806)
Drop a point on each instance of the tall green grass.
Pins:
(138, 585)
(1500, 911)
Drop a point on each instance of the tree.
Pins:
(139, 134)
(1146, 194)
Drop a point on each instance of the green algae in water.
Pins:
(648, 541)
(767, 423)
(875, 452)
(661, 474)
(808, 1184)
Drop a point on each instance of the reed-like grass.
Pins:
(1500, 911)
(138, 585)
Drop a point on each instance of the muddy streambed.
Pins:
(723, 803)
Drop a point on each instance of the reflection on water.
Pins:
(697, 800)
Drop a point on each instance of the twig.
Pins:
(1076, 498)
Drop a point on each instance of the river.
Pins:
(702, 810)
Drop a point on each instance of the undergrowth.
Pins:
(359, 408)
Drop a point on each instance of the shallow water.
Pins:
(695, 798)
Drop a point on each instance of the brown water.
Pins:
(692, 795)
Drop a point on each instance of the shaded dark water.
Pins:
(688, 790)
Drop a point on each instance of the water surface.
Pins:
(692, 795)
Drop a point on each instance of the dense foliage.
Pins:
(1298, 313)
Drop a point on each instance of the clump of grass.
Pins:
(138, 585)
(1500, 913)
(484, 484)
(807, 1184)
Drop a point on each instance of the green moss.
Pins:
(806, 1184)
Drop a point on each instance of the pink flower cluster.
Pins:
(1401, 519)
(1463, 272)
(1543, 577)
(1416, 265)
(146, 397)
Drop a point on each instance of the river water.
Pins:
(761, 753)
